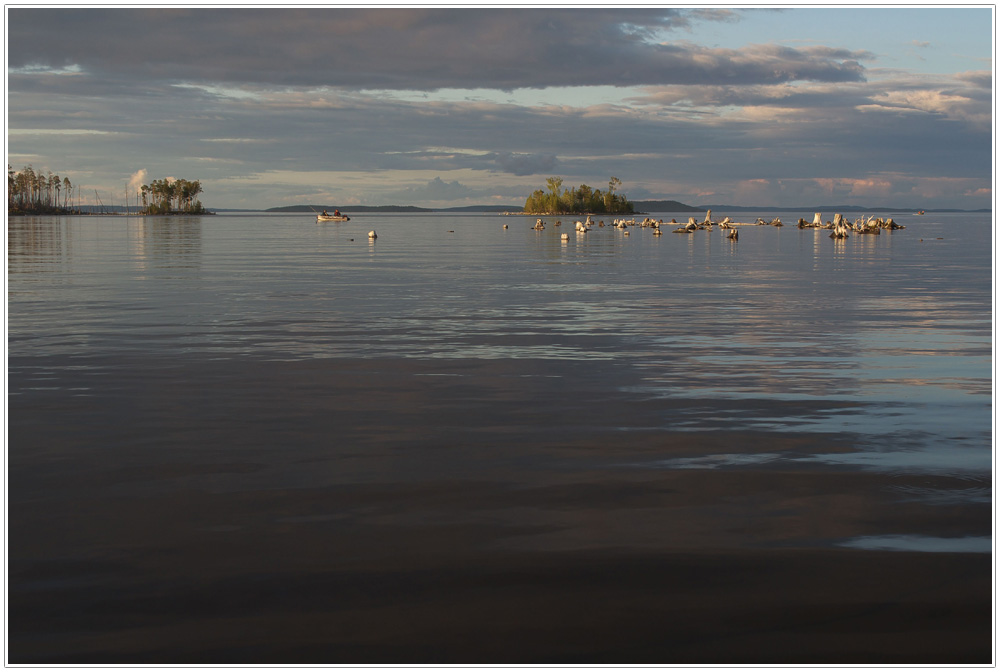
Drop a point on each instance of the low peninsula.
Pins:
(31, 192)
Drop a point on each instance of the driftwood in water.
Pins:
(840, 227)
(690, 227)
(817, 222)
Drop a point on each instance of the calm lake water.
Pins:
(234, 398)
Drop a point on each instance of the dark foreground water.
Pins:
(255, 439)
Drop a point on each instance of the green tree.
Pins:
(609, 198)
(554, 184)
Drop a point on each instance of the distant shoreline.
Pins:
(641, 208)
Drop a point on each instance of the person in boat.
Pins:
(324, 214)
(336, 213)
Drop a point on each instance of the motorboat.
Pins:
(332, 218)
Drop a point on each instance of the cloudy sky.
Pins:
(448, 107)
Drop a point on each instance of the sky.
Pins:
(445, 107)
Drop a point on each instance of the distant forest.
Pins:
(351, 208)
(582, 199)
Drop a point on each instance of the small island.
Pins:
(171, 197)
(581, 200)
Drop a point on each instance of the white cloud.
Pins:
(137, 180)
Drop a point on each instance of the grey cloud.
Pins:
(109, 85)
(959, 97)
(435, 190)
(756, 64)
(417, 49)
(982, 78)
(525, 164)
(755, 96)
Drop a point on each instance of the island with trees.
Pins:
(171, 197)
(579, 200)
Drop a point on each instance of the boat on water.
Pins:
(919, 212)
(332, 218)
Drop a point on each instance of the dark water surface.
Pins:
(253, 438)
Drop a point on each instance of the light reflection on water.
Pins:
(953, 461)
(887, 337)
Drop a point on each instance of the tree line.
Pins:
(582, 199)
(37, 192)
(29, 191)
